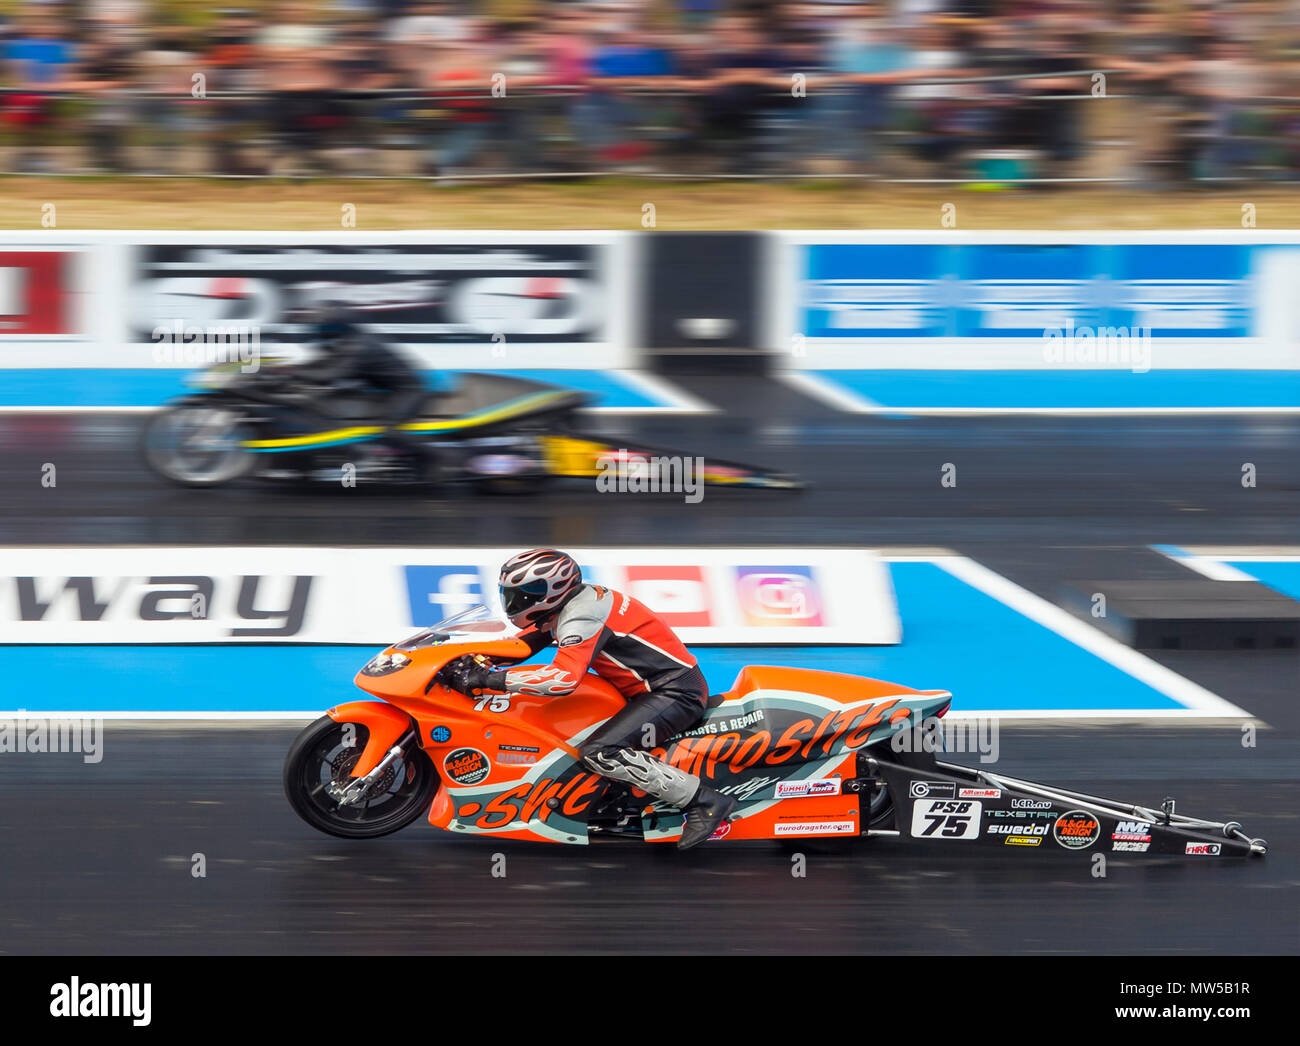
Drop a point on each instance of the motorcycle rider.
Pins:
(354, 363)
(624, 642)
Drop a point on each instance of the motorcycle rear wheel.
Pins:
(320, 760)
(880, 813)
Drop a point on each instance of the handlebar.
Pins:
(437, 677)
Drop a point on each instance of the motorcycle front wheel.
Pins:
(317, 768)
(197, 446)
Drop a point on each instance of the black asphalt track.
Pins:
(97, 860)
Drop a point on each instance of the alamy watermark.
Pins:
(35, 734)
(72, 998)
(207, 346)
(951, 735)
(631, 472)
(1094, 346)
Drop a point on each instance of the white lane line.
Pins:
(1214, 570)
(838, 396)
(1099, 716)
(1252, 555)
(1206, 566)
(843, 398)
(671, 398)
(79, 410)
(1197, 701)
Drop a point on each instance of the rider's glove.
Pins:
(466, 675)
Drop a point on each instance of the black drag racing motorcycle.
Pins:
(498, 432)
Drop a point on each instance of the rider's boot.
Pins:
(706, 812)
(704, 808)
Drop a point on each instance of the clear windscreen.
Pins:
(478, 620)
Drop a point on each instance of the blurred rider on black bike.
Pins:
(358, 368)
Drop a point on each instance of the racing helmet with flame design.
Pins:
(535, 584)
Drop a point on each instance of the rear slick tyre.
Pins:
(880, 811)
(195, 446)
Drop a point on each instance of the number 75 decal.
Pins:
(945, 819)
(493, 703)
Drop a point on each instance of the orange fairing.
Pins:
(546, 722)
(426, 661)
(835, 685)
(384, 724)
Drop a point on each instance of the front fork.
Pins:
(356, 789)
(384, 724)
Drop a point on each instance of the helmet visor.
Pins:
(515, 599)
(330, 333)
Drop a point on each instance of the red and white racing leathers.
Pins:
(609, 633)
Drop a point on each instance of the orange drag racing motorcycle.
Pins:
(805, 753)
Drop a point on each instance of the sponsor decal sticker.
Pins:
(516, 758)
(945, 819)
(1021, 840)
(1123, 847)
(924, 789)
(1021, 815)
(441, 734)
(979, 793)
(722, 831)
(1132, 832)
(466, 766)
(1076, 830)
(1030, 804)
(1204, 849)
(1018, 829)
(792, 789)
(815, 828)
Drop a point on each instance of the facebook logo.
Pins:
(436, 593)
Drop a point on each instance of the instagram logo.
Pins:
(778, 596)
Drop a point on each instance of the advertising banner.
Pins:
(993, 301)
(463, 301)
(41, 294)
(413, 294)
(379, 596)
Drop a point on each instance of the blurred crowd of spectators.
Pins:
(1159, 91)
